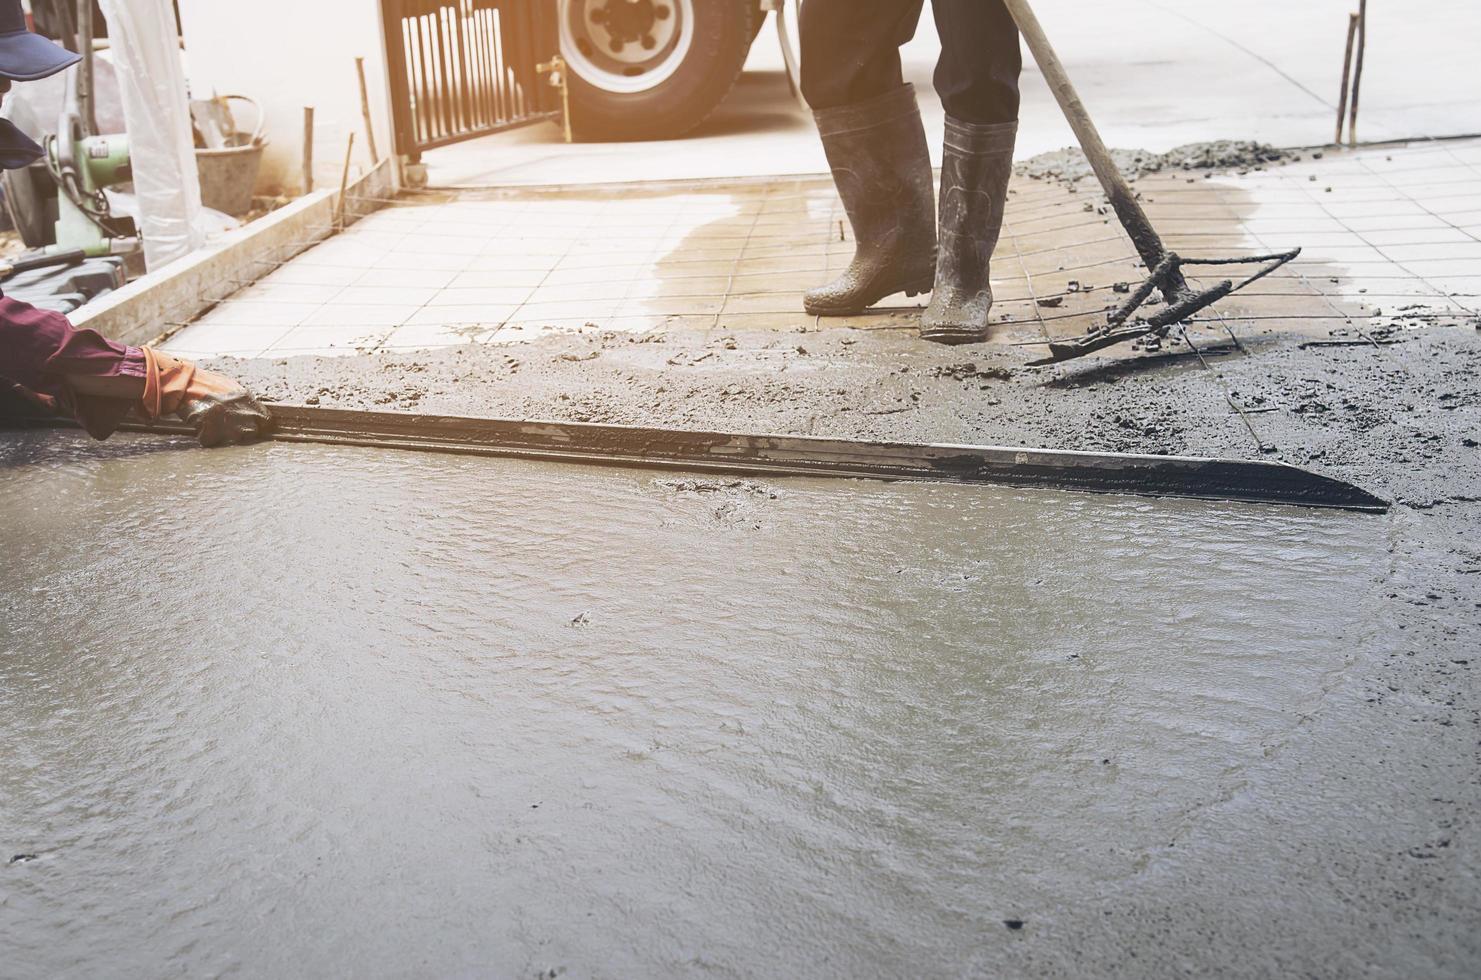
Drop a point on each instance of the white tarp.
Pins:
(146, 58)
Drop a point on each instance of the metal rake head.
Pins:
(1182, 302)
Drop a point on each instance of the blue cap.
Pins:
(24, 56)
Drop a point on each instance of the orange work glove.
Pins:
(220, 409)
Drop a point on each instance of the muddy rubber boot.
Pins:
(975, 167)
(877, 151)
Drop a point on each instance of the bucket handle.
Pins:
(261, 116)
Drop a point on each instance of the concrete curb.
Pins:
(156, 305)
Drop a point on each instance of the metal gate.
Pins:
(461, 69)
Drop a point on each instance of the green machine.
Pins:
(58, 205)
(83, 163)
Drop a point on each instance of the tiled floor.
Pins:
(1382, 229)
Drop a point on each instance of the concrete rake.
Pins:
(1166, 268)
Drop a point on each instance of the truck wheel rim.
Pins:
(626, 46)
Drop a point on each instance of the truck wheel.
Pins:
(651, 69)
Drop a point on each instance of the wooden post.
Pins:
(375, 157)
(1357, 73)
(344, 181)
(308, 149)
(1352, 30)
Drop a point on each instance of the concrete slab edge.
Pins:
(155, 305)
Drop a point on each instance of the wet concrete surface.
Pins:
(1343, 842)
(1351, 849)
(310, 710)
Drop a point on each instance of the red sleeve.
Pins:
(39, 349)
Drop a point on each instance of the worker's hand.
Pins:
(226, 417)
(221, 410)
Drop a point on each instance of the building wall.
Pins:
(288, 54)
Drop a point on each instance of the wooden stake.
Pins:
(375, 157)
(1352, 30)
(308, 149)
(1357, 73)
(344, 180)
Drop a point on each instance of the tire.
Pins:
(698, 49)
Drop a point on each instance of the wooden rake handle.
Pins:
(1148, 244)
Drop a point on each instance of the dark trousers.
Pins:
(851, 52)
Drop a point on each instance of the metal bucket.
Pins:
(228, 174)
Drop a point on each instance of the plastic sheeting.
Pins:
(146, 57)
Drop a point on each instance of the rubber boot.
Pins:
(877, 151)
(975, 167)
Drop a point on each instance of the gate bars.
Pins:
(460, 69)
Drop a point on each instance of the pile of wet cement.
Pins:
(1350, 410)
(1068, 165)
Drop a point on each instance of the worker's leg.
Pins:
(876, 147)
(977, 78)
(977, 73)
(851, 48)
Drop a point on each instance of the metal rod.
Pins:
(422, 101)
(1352, 30)
(555, 70)
(788, 455)
(70, 256)
(1357, 73)
(446, 98)
(1260, 443)
(1148, 244)
(375, 156)
(458, 84)
(344, 183)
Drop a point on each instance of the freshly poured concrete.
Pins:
(300, 710)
